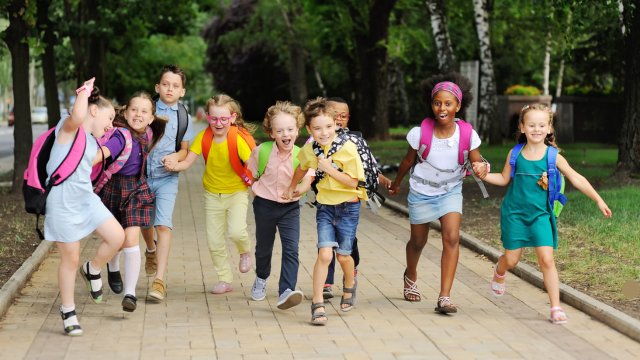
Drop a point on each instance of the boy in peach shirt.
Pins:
(272, 166)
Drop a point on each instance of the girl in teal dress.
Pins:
(526, 217)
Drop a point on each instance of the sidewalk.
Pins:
(192, 323)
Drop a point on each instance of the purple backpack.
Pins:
(34, 189)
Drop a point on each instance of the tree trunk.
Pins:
(629, 145)
(76, 42)
(297, 75)
(488, 120)
(22, 135)
(560, 75)
(49, 63)
(546, 66)
(621, 16)
(97, 56)
(446, 58)
(372, 58)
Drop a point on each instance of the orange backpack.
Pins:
(232, 144)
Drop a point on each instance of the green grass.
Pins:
(595, 251)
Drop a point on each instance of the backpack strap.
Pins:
(465, 140)
(207, 138)
(296, 161)
(552, 157)
(183, 122)
(236, 163)
(514, 156)
(72, 160)
(426, 135)
(265, 152)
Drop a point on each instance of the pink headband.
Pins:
(448, 86)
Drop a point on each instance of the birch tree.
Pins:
(446, 58)
(488, 120)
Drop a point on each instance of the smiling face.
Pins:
(535, 125)
(170, 88)
(219, 129)
(139, 114)
(102, 120)
(445, 105)
(284, 131)
(342, 113)
(323, 129)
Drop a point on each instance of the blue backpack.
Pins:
(557, 199)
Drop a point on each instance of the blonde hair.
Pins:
(317, 107)
(157, 126)
(224, 100)
(550, 139)
(282, 107)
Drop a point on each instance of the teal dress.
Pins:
(526, 218)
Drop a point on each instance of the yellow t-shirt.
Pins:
(219, 176)
(330, 190)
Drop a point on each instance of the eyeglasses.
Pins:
(343, 116)
(223, 120)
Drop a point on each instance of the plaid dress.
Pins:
(129, 197)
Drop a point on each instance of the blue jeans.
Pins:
(286, 217)
(337, 225)
(165, 190)
(355, 254)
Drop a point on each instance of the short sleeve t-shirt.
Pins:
(443, 154)
(330, 190)
(219, 177)
(116, 144)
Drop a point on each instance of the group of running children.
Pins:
(142, 147)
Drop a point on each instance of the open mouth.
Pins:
(442, 116)
(286, 142)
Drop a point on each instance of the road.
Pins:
(6, 138)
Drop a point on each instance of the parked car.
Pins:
(12, 118)
(39, 115)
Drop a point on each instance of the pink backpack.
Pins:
(464, 148)
(34, 189)
(102, 173)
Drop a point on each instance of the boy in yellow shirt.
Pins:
(338, 202)
(225, 196)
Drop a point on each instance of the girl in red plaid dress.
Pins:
(127, 194)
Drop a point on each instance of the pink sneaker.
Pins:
(245, 262)
(223, 287)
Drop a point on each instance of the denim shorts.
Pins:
(424, 209)
(337, 225)
(165, 189)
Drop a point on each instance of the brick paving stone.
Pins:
(192, 323)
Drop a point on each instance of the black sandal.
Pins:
(316, 315)
(73, 330)
(96, 296)
(412, 289)
(352, 300)
(449, 309)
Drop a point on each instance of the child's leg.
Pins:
(419, 236)
(355, 253)
(550, 275)
(147, 235)
(113, 234)
(266, 215)
(131, 259)
(325, 218)
(289, 227)
(345, 234)
(165, 190)
(216, 225)
(69, 260)
(162, 250)
(506, 262)
(331, 271)
(319, 275)
(236, 205)
(450, 251)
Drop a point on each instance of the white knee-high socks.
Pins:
(114, 263)
(131, 269)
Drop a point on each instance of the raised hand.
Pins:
(324, 164)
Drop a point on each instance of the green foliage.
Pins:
(575, 90)
(523, 90)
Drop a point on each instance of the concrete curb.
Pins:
(14, 285)
(585, 303)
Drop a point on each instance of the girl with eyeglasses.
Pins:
(226, 146)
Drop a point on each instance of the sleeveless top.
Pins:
(73, 210)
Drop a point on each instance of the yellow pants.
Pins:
(226, 212)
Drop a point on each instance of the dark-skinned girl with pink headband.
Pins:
(442, 151)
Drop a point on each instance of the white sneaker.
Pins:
(259, 289)
(289, 299)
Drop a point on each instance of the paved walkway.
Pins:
(192, 323)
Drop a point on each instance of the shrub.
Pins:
(523, 90)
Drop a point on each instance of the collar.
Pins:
(163, 106)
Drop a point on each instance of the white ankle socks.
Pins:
(70, 321)
(95, 284)
(114, 264)
(131, 269)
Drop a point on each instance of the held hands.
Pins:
(480, 169)
(289, 193)
(170, 161)
(384, 181)
(394, 188)
(605, 209)
(325, 164)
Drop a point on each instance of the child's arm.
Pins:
(582, 184)
(384, 181)
(297, 177)
(171, 160)
(303, 187)
(68, 131)
(98, 159)
(502, 179)
(405, 166)
(344, 179)
(186, 163)
(479, 167)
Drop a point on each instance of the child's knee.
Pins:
(511, 261)
(451, 238)
(546, 262)
(163, 230)
(238, 235)
(343, 258)
(325, 255)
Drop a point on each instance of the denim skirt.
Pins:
(424, 209)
